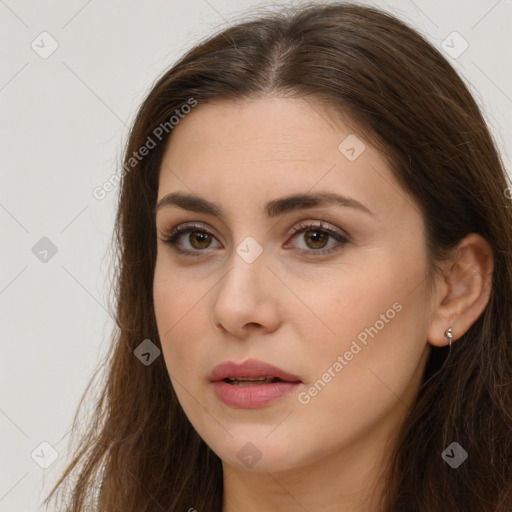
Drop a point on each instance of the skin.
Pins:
(297, 309)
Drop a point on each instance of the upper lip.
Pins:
(250, 368)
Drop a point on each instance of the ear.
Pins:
(462, 294)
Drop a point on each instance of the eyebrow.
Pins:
(273, 208)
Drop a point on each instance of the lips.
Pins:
(252, 384)
(250, 372)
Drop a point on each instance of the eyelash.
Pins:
(174, 235)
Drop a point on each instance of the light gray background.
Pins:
(64, 122)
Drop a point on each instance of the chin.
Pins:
(258, 454)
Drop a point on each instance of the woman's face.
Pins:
(342, 309)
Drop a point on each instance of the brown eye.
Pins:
(194, 240)
(199, 239)
(190, 239)
(316, 239)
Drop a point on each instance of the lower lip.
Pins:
(252, 396)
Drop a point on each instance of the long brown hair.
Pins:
(139, 452)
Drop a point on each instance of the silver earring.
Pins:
(448, 334)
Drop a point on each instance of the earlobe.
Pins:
(464, 291)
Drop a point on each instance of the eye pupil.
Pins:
(194, 235)
(315, 238)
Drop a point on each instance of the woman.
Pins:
(313, 288)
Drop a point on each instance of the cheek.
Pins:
(347, 301)
(183, 338)
(176, 311)
(374, 319)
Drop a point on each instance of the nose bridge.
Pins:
(247, 265)
(245, 294)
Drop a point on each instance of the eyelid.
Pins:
(185, 226)
(171, 238)
(342, 238)
(319, 224)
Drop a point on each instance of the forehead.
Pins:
(286, 124)
(272, 146)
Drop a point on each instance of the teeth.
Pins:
(250, 381)
(248, 378)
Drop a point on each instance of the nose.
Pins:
(247, 298)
